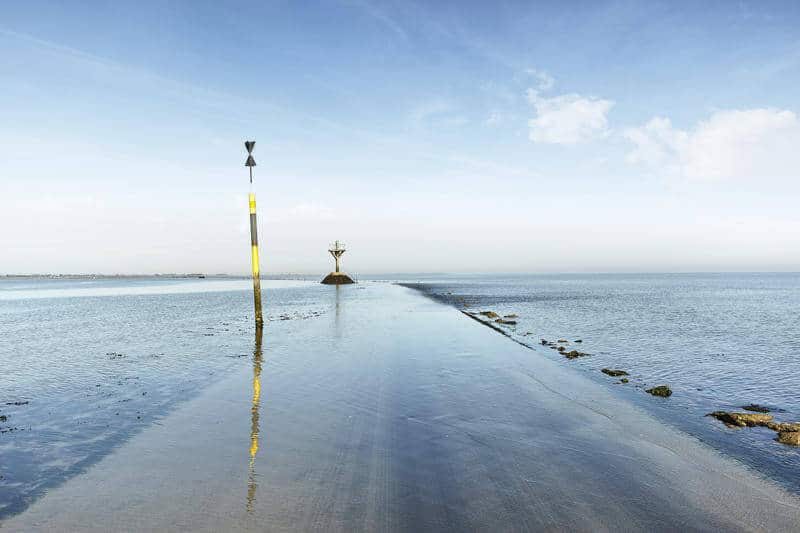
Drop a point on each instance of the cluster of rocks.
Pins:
(560, 348)
(788, 432)
(504, 320)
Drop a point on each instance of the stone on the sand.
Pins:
(562, 340)
(512, 315)
(662, 391)
(506, 322)
(573, 354)
(614, 373)
(489, 314)
(623, 380)
(742, 419)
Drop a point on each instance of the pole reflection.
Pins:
(251, 478)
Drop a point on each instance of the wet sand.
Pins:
(394, 412)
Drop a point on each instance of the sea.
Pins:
(720, 341)
(87, 363)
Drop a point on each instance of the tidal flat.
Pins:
(368, 407)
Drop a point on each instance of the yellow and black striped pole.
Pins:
(250, 163)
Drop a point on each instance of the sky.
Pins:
(440, 136)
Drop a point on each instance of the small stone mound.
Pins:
(337, 278)
(741, 419)
(489, 314)
(562, 341)
(614, 373)
(623, 380)
(573, 354)
(506, 322)
(662, 391)
(512, 315)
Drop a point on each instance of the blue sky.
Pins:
(439, 136)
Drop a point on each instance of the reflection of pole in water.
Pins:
(251, 483)
(337, 306)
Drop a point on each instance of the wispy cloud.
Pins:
(730, 144)
(565, 118)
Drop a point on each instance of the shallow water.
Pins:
(87, 363)
(720, 341)
(391, 412)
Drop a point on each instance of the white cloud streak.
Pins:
(565, 118)
(730, 144)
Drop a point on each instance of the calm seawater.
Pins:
(87, 363)
(720, 341)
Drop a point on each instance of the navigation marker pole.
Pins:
(250, 163)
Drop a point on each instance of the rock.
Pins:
(662, 391)
(783, 426)
(755, 407)
(3, 418)
(577, 340)
(489, 314)
(562, 341)
(544, 342)
(573, 354)
(506, 322)
(623, 380)
(614, 373)
(792, 438)
(741, 419)
(511, 316)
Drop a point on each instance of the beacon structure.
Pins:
(337, 277)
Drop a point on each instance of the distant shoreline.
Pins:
(151, 276)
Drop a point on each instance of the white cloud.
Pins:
(731, 144)
(565, 118)
(568, 118)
